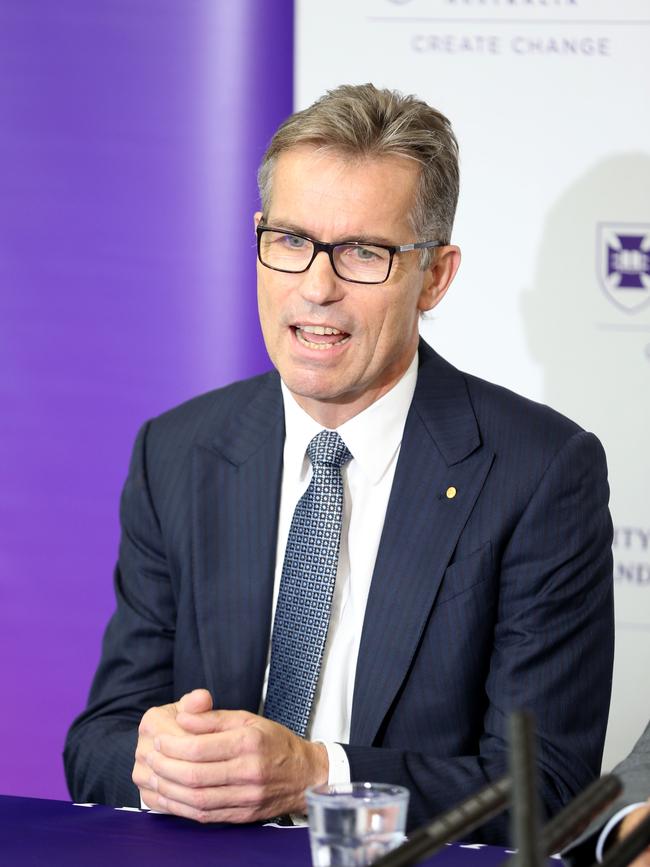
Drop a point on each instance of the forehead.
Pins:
(333, 196)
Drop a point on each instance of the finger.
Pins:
(197, 701)
(226, 720)
(142, 775)
(212, 747)
(192, 775)
(197, 724)
(211, 798)
(148, 799)
(143, 747)
(227, 814)
(215, 721)
(157, 719)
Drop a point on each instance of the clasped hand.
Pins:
(222, 765)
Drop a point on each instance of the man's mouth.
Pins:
(320, 336)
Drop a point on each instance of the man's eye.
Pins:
(366, 254)
(363, 255)
(355, 253)
(293, 242)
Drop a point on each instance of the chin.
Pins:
(311, 387)
(313, 393)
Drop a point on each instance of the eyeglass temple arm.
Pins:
(421, 245)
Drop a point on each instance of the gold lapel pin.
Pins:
(450, 492)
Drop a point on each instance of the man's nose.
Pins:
(320, 285)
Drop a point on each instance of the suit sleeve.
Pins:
(634, 770)
(551, 650)
(136, 666)
(634, 773)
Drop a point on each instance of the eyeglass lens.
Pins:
(362, 263)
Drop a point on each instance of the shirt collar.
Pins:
(373, 436)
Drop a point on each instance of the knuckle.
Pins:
(252, 739)
(143, 754)
(193, 749)
(199, 800)
(193, 777)
(203, 816)
(255, 797)
(236, 815)
(255, 772)
(147, 721)
(139, 775)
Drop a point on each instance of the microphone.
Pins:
(519, 789)
(460, 820)
(524, 815)
(576, 816)
(626, 850)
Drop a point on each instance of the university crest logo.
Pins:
(623, 263)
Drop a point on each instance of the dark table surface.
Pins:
(36, 832)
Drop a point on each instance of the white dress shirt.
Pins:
(373, 437)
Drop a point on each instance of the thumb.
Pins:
(197, 701)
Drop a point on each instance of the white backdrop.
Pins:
(549, 100)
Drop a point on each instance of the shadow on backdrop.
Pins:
(587, 321)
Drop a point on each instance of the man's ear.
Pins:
(438, 276)
(257, 216)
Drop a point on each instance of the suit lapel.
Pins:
(237, 475)
(441, 448)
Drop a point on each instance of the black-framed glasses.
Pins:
(353, 261)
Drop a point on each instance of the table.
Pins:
(35, 832)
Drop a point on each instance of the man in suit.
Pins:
(473, 545)
(624, 815)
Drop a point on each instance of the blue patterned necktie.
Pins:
(308, 576)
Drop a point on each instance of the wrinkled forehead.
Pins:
(319, 188)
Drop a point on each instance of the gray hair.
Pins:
(362, 121)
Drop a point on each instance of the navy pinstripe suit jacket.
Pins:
(497, 598)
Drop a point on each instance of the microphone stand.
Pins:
(520, 788)
(524, 812)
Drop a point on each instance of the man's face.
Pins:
(325, 197)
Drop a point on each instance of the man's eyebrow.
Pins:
(287, 226)
(294, 228)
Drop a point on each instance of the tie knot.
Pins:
(327, 447)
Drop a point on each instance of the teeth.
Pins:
(319, 329)
(323, 347)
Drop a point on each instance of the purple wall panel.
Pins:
(130, 131)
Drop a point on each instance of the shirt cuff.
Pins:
(339, 769)
(609, 827)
